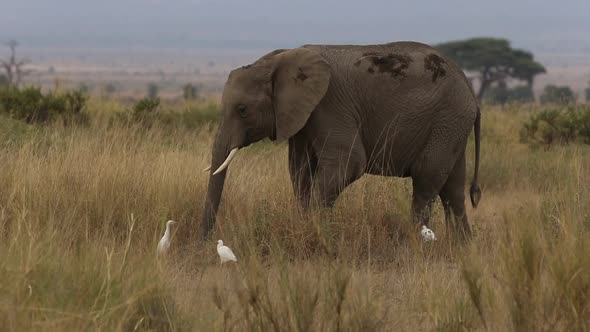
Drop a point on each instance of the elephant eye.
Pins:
(242, 110)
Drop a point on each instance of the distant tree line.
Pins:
(504, 74)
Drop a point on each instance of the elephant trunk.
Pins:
(216, 182)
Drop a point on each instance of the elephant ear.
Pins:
(300, 81)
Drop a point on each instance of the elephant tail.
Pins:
(474, 191)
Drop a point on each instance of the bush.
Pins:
(152, 90)
(75, 102)
(3, 81)
(584, 126)
(502, 95)
(146, 110)
(84, 88)
(522, 94)
(553, 94)
(558, 125)
(190, 91)
(110, 89)
(31, 105)
(587, 95)
(146, 105)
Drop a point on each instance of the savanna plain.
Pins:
(82, 207)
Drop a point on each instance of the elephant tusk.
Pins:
(207, 169)
(223, 166)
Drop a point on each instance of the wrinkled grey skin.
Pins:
(398, 109)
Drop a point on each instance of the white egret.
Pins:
(427, 234)
(164, 243)
(225, 253)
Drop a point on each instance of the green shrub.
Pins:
(584, 125)
(109, 89)
(75, 101)
(146, 111)
(31, 105)
(522, 94)
(152, 90)
(84, 88)
(553, 94)
(558, 125)
(146, 105)
(190, 91)
(502, 95)
(3, 81)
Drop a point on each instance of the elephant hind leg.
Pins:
(440, 170)
(423, 197)
(429, 175)
(452, 197)
(339, 166)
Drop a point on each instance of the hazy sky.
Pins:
(191, 23)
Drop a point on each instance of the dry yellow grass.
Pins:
(82, 209)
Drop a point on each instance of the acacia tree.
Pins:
(13, 67)
(494, 60)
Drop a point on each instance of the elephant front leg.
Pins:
(329, 186)
(332, 180)
(335, 172)
(302, 168)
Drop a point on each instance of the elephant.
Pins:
(399, 109)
